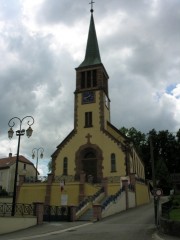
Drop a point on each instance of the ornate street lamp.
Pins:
(37, 154)
(19, 133)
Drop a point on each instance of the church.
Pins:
(95, 155)
(95, 147)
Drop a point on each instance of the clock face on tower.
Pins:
(88, 97)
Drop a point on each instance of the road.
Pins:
(130, 225)
(133, 224)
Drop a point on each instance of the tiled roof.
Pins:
(7, 162)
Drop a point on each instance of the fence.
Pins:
(56, 213)
(50, 213)
(20, 209)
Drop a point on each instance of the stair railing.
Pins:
(88, 200)
(112, 198)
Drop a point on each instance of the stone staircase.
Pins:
(85, 208)
(108, 204)
(87, 216)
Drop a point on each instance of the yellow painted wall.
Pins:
(113, 188)
(97, 138)
(106, 112)
(30, 193)
(90, 189)
(71, 190)
(142, 194)
(93, 107)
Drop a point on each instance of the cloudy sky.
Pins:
(43, 41)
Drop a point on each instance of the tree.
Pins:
(50, 166)
(138, 138)
(166, 150)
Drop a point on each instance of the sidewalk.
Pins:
(43, 230)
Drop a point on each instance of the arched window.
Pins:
(113, 162)
(65, 166)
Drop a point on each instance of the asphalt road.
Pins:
(133, 224)
(130, 225)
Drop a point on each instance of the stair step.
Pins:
(87, 216)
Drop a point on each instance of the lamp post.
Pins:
(37, 154)
(19, 133)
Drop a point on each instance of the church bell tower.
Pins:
(92, 104)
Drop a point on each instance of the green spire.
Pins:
(92, 56)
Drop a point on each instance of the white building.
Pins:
(7, 171)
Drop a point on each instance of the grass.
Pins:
(175, 212)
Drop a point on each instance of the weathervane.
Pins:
(91, 6)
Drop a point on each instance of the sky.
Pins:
(43, 41)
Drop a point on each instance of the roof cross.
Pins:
(88, 136)
(91, 6)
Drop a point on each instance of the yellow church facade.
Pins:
(94, 146)
(95, 154)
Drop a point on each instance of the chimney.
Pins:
(10, 155)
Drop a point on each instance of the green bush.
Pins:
(175, 214)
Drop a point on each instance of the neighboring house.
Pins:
(7, 171)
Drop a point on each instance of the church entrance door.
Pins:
(89, 161)
(89, 164)
(90, 168)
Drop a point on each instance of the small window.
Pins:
(88, 119)
(113, 162)
(65, 166)
(24, 166)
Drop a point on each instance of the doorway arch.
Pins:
(89, 160)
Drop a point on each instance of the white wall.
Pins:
(11, 224)
(132, 199)
(120, 204)
(115, 207)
